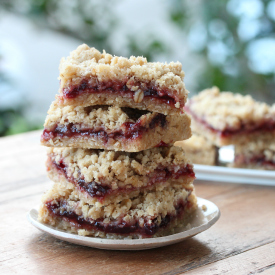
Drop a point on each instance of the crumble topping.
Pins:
(150, 214)
(112, 128)
(225, 110)
(118, 167)
(88, 63)
(111, 117)
(147, 204)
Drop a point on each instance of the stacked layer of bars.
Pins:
(111, 131)
(199, 149)
(224, 118)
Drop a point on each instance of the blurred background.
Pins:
(230, 44)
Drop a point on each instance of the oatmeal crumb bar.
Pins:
(102, 175)
(150, 214)
(112, 128)
(256, 154)
(226, 118)
(89, 77)
(199, 150)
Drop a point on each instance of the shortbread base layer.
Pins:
(144, 143)
(151, 214)
(62, 224)
(158, 105)
(199, 150)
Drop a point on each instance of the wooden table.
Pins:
(241, 242)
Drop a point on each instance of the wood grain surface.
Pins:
(241, 242)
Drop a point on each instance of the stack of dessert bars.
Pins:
(111, 131)
(224, 118)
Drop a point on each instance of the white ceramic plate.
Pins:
(198, 222)
(233, 175)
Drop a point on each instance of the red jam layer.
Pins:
(120, 89)
(258, 160)
(265, 126)
(162, 144)
(117, 227)
(93, 188)
(100, 191)
(129, 130)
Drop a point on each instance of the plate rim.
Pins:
(128, 243)
(235, 171)
(233, 174)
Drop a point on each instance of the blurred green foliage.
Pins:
(13, 122)
(94, 21)
(89, 21)
(234, 73)
(222, 33)
(149, 50)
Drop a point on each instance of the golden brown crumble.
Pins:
(151, 203)
(94, 66)
(111, 117)
(145, 207)
(225, 110)
(199, 150)
(118, 169)
(153, 128)
(126, 192)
